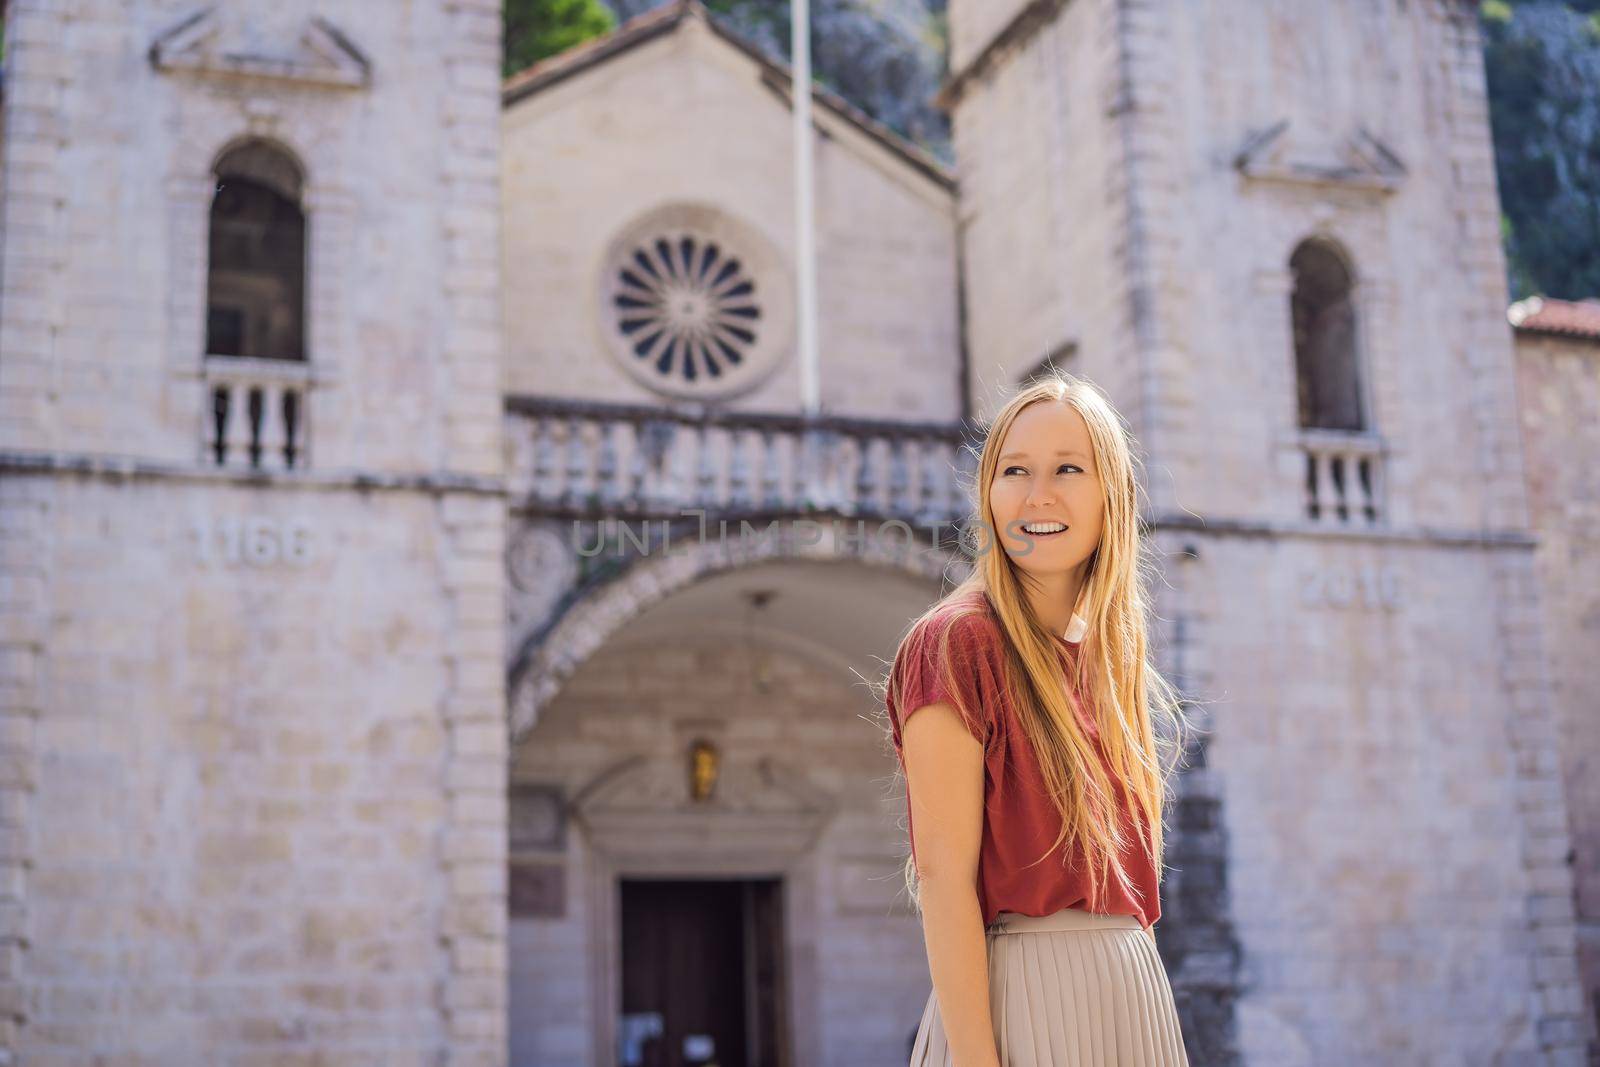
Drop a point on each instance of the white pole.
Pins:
(804, 207)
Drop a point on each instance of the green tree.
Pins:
(1542, 58)
(535, 29)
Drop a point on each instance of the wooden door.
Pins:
(701, 974)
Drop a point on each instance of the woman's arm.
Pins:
(944, 776)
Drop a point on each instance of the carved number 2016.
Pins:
(1367, 587)
(254, 540)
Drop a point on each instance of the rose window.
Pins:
(687, 308)
(695, 304)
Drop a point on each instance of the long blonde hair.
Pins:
(1128, 696)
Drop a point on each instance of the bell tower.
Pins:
(252, 513)
(1270, 231)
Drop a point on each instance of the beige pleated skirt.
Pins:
(1072, 989)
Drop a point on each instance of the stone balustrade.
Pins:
(1343, 478)
(589, 458)
(255, 413)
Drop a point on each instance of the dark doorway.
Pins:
(702, 974)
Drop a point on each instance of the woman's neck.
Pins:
(1054, 598)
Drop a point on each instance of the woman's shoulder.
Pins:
(950, 654)
(960, 628)
(968, 619)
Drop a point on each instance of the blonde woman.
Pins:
(1024, 714)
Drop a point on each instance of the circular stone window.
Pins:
(694, 304)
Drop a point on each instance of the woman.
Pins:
(1022, 710)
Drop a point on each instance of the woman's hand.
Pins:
(944, 765)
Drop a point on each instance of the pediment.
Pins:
(773, 81)
(642, 805)
(237, 46)
(1282, 153)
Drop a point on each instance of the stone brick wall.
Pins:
(25, 522)
(1332, 665)
(1043, 207)
(1558, 389)
(1429, 294)
(30, 227)
(1436, 354)
(1388, 833)
(251, 727)
(238, 799)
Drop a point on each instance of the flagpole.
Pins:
(804, 207)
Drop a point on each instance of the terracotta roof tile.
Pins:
(1565, 318)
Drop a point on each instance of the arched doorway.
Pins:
(707, 823)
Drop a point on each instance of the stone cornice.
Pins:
(123, 468)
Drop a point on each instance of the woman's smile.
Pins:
(1042, 531)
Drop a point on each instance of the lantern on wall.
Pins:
(704, 760)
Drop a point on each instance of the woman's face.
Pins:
(1047, 474)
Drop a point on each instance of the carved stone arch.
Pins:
(266, 158)
(589, 620)
(200, 150)
(1326, 236)
(795, 644)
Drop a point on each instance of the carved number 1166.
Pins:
(256, 540)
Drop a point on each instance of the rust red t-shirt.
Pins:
(1019, 820)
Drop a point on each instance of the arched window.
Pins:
(255, 284)
(1326, 368)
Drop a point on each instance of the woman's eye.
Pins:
(1059, 469)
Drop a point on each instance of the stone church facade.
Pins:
(433, 632)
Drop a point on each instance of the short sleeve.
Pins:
(963, 643)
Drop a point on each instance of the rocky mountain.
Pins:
(1543, 63)
(885, 56)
